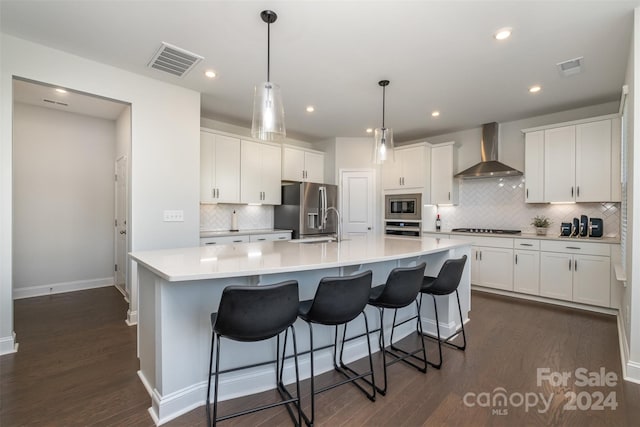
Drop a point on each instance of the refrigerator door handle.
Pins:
(323, 207)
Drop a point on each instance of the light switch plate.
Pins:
(173, 216)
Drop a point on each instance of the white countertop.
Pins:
(247, 259)
(549, 236)
(223, 233)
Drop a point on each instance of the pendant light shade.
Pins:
(268, 110)
(383, 147)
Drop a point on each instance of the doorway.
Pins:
(65, 144)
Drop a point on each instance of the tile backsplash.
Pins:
(499, 203)
(218, 217)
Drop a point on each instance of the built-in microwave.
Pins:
(407, 207)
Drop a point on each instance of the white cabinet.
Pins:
(578, 272)
(302, 165)
(266, 237)
(261, 173)
(219, 168)
(534, 167)
(559, 164)
(491, 261)
(444, 187)
(577, 162)
(526, 268)
(409, 170)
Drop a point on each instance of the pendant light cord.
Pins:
(268, 50)
(383, 102)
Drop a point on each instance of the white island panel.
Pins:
(180, 288)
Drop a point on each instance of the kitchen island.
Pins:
(179, 288)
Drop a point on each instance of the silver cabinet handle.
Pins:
(569, 265)
(210, 243)
(578, 191)
(449, 195)
(516, 258)
(573, 247)
(527, 193)
(480, 255)
(571, 191)
(213, 193)
(123, 232)
(575, 265)
(526, 244)
(260, 240)
(237, 241)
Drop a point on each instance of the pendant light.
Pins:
(383, 136)
(268, 111)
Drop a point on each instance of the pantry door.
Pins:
(357, 201)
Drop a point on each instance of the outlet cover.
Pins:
(173, 216)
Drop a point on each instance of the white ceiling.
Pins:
(331, 54)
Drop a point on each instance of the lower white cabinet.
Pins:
(526, 271)
(582, 273)
(223, 240)
(492, 267)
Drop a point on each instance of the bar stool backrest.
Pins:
(255, 313)
(403, 285)
(449, 276)
(339, 300)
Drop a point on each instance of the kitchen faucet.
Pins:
(326, 215)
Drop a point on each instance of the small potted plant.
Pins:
(541, 223)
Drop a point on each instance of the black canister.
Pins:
(565, 229)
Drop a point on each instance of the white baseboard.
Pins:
(132, 318)
(630, 369)
(59, 288)
(8, 344)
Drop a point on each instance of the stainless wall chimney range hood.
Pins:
(489, 167)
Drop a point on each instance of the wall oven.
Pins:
(406, 207)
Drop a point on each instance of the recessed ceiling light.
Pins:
(435, 114)
(310, 109)
(502, 33)
(369, 130)
(535, 89)
(210, 73)
(60, 90)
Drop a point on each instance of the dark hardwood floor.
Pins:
(77, 365)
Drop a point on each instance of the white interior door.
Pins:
(121, 226)
(357, 202)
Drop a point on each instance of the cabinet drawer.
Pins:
(527, 244)
(270, 236)
(576, 247)
(223, 240)
(492, 242)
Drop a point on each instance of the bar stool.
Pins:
(250, 314)
(446, 283)
(338, 301)
(400, 290)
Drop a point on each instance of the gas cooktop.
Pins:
(485, 231)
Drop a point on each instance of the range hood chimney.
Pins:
(489, 167)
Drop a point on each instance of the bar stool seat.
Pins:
(338, 301)
(251, 314)
(400, 290)
(445, 283)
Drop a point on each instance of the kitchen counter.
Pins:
(180, 288)
(247, 232)
(550, 236)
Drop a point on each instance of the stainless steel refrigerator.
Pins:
(303, 209)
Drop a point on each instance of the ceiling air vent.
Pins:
(570, 67)
(174, 60)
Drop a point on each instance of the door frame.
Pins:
(125, 199)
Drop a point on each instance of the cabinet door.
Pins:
(207, 167)
(314, 167)
(495, 268)
(251, 176)
(413, 167)
(534, 167)
(293, 164)
(475, 265)
(592, 280)
(227, 169)
(556, 274)
(526, 272)
(442, 175)
(559, 164)
(391, 172)
(593, 161)
(271, 174)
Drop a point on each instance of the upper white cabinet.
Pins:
(409, 170)
(534, 167)
(302, 165)
(579, 162)
(444, 187)
(261, 173)
(219, 168)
